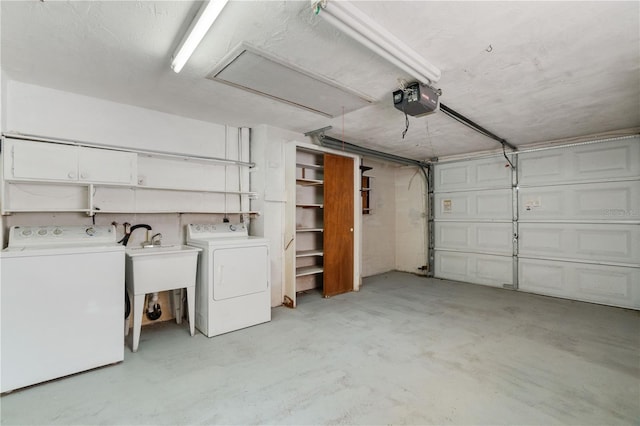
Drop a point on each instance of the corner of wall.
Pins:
(268, 180)
(411, 221)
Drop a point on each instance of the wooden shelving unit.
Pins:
(309, 219)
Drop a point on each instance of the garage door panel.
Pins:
(596, 201)
(480, 174)
(607, 162)
(606, 284)
(546, 277)
(494, 238)
(474, 268)
(616, 243)
(542, 168)
(581, 164)
(476, 205)
(577, 222)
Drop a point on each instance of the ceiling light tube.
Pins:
(205, 17)
(419, 75)
(367, 27)
(353, 22)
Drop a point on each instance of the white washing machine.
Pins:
(62, 301)
(233, 288)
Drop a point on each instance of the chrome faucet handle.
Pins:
(156, 239)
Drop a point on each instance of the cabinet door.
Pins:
(338, 224)
(42, 161)
(106, 166)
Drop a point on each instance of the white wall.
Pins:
(268, 180)
(410, 220)
(3, 100)
(53, 113)
(394, 234)
(379, 227)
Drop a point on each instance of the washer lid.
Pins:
(60, 250)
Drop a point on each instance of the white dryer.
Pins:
(233, 287)
(62, 302)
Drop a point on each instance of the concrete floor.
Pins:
(404, 350)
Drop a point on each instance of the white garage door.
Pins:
(575, 212)
(579, 222)
(473, 209)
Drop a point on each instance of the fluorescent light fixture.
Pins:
(207, 14)
(356, 24)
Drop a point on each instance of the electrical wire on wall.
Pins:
(406, 122)
(402, 85)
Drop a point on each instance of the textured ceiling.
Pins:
(527, 71)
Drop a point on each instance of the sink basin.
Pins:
(156, 269)
(156, 250)
(160, 268)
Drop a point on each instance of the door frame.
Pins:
(289, 288)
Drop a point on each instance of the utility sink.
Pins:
(160, 268)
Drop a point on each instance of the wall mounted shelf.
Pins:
(47, 175)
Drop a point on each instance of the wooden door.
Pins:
(338, 225)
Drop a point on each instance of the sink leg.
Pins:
(177, 305)
(191, 306)
(137, 312)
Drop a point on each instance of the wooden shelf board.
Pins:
(310, 166)
(308, 270)
(309, 182)
(308, 253)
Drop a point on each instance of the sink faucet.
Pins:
(125, 239)
(156, 239)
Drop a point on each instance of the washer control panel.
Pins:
(43, 236)
(199, 231)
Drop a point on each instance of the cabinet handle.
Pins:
(83, 175)
(350, 229)
(71, 175)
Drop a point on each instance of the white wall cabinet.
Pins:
(41, 161)
(38, 161)
(105, 166)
